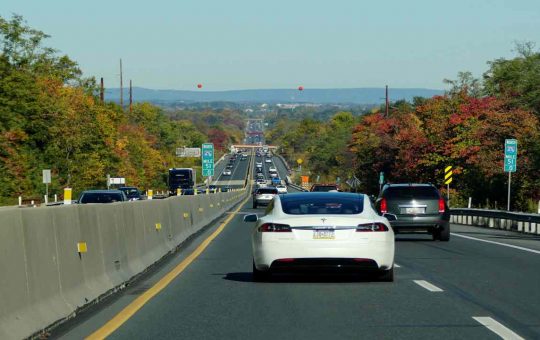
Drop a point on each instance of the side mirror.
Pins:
(390, 217)
(251, 218)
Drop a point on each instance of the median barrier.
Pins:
(45, 279)
(497, 219)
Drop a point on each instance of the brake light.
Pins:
(441, 205)
(384, 206)
(275, 228)
(368, 227)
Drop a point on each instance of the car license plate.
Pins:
(413, 210)
(324, 234)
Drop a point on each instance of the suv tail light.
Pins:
(275, 228)
(384, 206)
(441, 205)
(368, 227)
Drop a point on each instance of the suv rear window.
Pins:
(323, 205)
(323, 188)
(409, 192)
(267, 191)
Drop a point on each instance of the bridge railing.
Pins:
(498, 219)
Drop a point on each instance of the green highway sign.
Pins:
(510, 155)
(207, 159)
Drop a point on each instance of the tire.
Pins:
(260, 275)
(254, 205)
(386, 275)
(436, 234)
(444, 233)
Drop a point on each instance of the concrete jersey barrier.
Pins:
(56, 260)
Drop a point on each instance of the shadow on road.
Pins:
(303, 278)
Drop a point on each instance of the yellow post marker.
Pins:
(150, 194)
(194, 191)
(158, 226)
(67, 195)
(207, 191)
(81, 247)
(186, 215)
(211, 205)
(201, 209)
(447, 180)
(178, 192)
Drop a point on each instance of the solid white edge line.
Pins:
(497, 327)
(397, 265)
(498, 243)
(428, 286)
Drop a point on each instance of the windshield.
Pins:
(267, 191)
(322, 205)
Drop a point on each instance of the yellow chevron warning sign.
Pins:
(448, 175)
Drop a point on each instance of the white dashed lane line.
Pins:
(497, 327)
(428, 286)
(498, 243)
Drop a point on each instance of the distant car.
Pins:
(102, 196)
(188, 191)
(225, 189)
(418, 207)
(227, 172)
(260, 181)
(263, 196)
(258, 170)
(260, 175)
(212, 188)
(281, 189)
(272, 169)
(132, 193)
(258, 164)
(273, 175)
(324, 187)
(268, 160)
(322, 231)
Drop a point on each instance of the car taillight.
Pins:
(275, 228)
(368, 227)
(441, 205)
(384, 206)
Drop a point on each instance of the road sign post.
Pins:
(510, 163)
(47, 181)
(447, 180)
(207, 160)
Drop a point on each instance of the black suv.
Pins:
(418, 207)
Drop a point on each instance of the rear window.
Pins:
(323, 188)
(267, 191)
(323, 205)
(93, 197)
(411, 192)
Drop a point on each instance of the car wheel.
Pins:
(444, 233)
(386, 275)
(260, 275)
(254, 205)
(436, 234)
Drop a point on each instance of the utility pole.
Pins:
(121, 87)
(130, 97)
(387, 103)
(101, 92)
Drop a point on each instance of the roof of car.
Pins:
(408, 185)
(103, 191)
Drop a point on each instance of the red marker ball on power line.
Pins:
(300, 88)
(199, 86)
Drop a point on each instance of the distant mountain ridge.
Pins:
(366, 95)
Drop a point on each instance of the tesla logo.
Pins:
(323, 220)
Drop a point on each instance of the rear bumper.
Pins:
(373, 255)
(412, 223)
(262, 201)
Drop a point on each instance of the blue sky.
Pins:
(240, 44)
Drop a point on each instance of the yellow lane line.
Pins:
(125, 314)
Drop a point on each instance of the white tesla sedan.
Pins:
(327, 230)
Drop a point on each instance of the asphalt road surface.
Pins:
(463, 289)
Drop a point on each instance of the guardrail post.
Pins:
(470, 203)
(149, 194)
(67, 195)
(20, 201)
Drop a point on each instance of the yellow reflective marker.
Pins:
(178, 192)
(67, 195)
(81, 247)
(186, 215)
(158, 226)
(201, 209)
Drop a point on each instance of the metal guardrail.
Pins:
(498, 219)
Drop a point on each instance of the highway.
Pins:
(466, 288)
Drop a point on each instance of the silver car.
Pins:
(263, 196)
